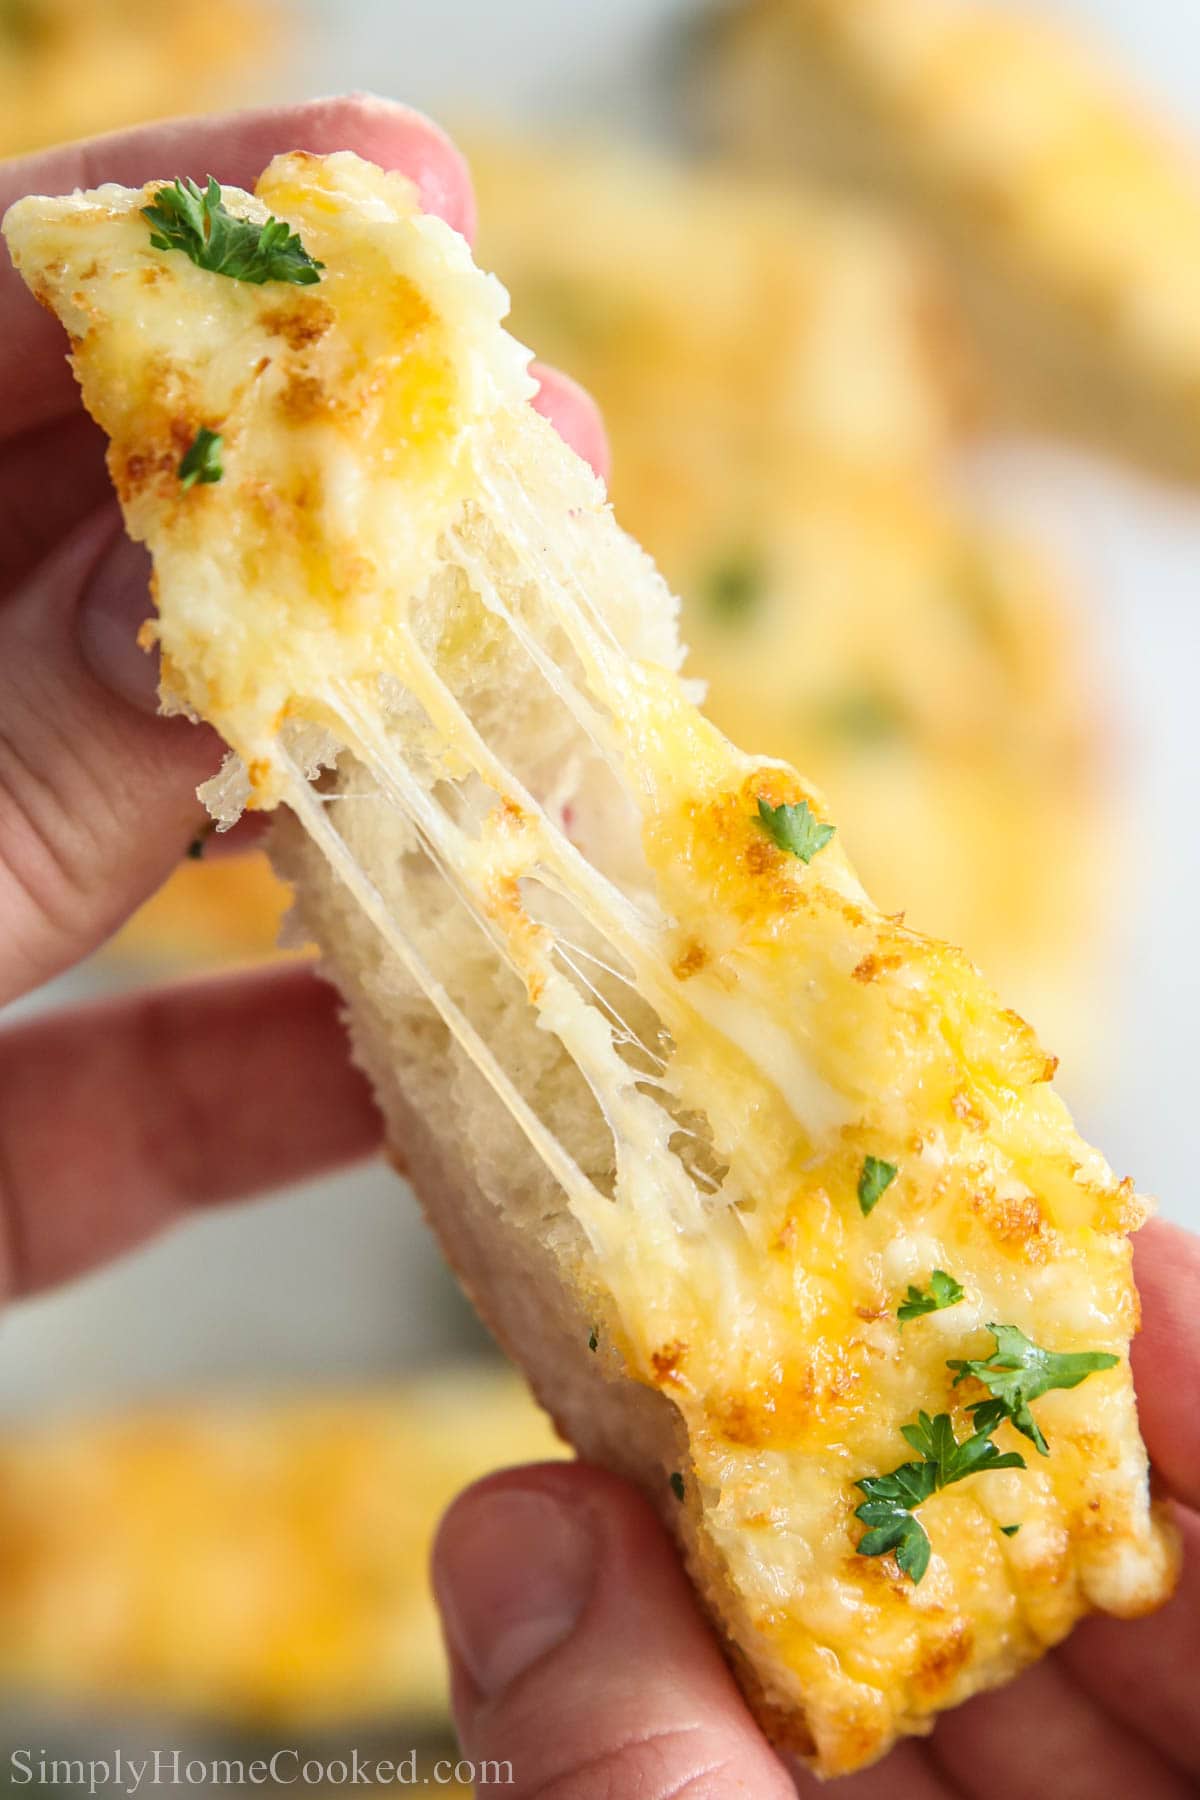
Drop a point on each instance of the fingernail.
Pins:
(513, 1572)
(115, 603)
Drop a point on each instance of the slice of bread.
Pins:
(689, 1115)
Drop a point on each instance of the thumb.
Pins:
(578, 1654)
(97, 796)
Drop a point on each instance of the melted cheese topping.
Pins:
(750, 1028)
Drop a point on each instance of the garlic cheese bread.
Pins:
(770, 1196)
(1068, 215)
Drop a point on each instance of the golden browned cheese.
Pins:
(1067, 215)
(260, 1562)
(718, 1110)
(71, 68)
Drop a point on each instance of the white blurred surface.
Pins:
(537, 61)
(1135, 553)
(316, 1286)
(343, 1277)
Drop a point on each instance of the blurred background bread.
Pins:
(71, 68)
(258, 1563)
(1064, 210)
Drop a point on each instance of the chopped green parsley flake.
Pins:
(865, 717)
(203, 461)
(795, 829)
(22, 22)
(677, 1487)
(943, 1291)
(1019, 1372)
(734, 587)
(199, 223)
(874, 1179)
(891, 1500)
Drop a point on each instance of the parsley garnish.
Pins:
(862, 716)
(677, 1485)
(734, 587)
(203, 461)
(891, 1501)
(795, 829)
(593, 1339)
(1010, 1530)
(1018, 1372)
(943, 1291)
(874, 1179)
(201, 225)
(195, 849)
(22, 22)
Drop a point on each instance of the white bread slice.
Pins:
(646, 1065)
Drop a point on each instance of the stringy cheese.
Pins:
(368, 585)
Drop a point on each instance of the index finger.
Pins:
(235, 147)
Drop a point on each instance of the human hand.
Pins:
(116, 1120)
(580, 1659)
